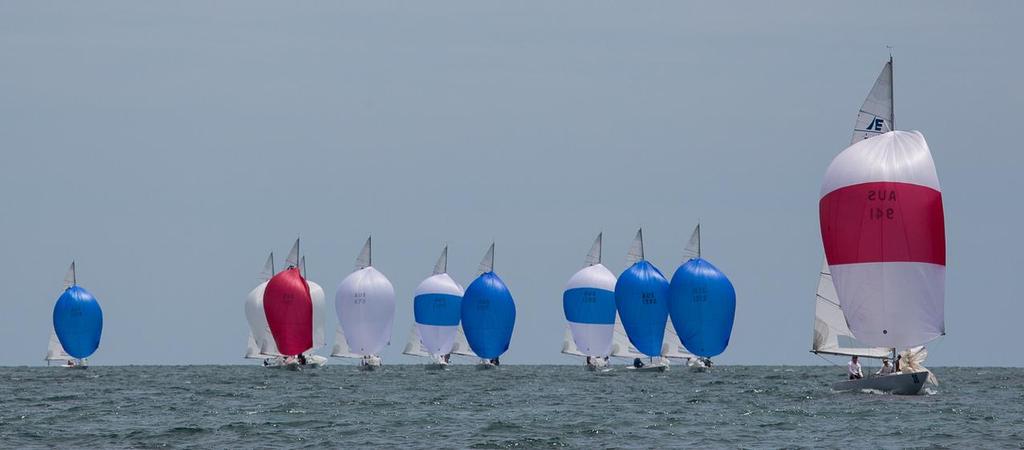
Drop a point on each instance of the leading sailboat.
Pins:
(883, 230)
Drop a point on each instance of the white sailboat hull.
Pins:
(651, 368)
(901, 384)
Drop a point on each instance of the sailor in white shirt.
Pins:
(886, 369)
(853, 369)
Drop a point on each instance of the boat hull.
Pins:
(900, 384)
(651, 368)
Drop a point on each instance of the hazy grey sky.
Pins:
(168, 146)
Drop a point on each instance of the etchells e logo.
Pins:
(876, 124)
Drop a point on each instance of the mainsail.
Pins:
(876, 114)
(641, 297)
(588, 302)
(883, 229)
(54, 351)
(365, 304)
(831, 335)
(488, 312)
(437, 309)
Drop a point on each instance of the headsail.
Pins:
(442, 262)
(594, 256)
(636, 250)
(831, 335)
(70, 278)
(365, 258)
(487, 264)
(876, 114)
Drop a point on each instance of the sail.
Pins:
(876, 114)
(831, 335)
(437, 309)
(636, 249)
(594, 256)
(442, 262)
(365, 258)
(78, 322)
(365, 304)
(702, 305)
(316, 295)
(883, 228)
(293, 256)
(461, 345)
(257, 318)
(340, 349)
(588, 302)
(414, 347)
(252, 350)
(569, 346)
(70, 278)
(673, 347)
(54, 351)
(289, 311)
(268, 268)
(641, 298)
(621, 347)
(692, 249)
(488, 312)
(487, 264)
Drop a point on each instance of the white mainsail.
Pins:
(70, 278)
(487, 264)
(636, 250)
(692, 249)
(832, 336)
(55, 351)
(442, 262)
(414, 346)
(594, 256)
(293, 256)
(876, 114)
(268, 268)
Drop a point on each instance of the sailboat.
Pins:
(77, 323)
(702, 304)
(882, 226)
(437, 309)
(589, 305)
(641, 298)
(261, 343)
(488, 314)
(365, 304)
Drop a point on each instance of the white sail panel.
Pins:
(257, 319)
(621, 347)
(594, 256)
(70, 278)
(365, 258)
(876, 114)
(340, 349)
(442, 262)
(268, 268)
(365, 303)
(569, 346)
(692, 249)
(636, 250)
(316, 294)
(55, 351)
(831, 335)
(293, 256)
(672, 346)
(414, 346)
(252, 350)
(487, 264)
(461, 345)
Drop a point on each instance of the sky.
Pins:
(168, 146)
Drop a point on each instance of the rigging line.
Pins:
(827, 360)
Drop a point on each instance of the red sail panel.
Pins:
(289, 311)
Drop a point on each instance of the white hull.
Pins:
(312, 362)
(648, 368)
(486, 366)
(902, 384)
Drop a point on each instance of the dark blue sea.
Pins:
(512, 407)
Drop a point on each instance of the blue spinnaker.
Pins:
(78, 322)
(641, 296)
(488, 316)
(702, 302)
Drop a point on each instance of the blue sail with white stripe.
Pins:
(77, 319)
(437, 307)
(488, 312)
(641, 297)
(589, 305)
(702, 303)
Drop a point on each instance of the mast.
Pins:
(892, 91)
(698, 239)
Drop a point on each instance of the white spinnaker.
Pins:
(593, 339)
(636, 249)
(257, 319)
(877, 298)
(672, 347)
(365, 303)
(438, 340)
(831, 335)
(461, 346)
(876, 114)
(414, 346)
(55, 351)
(621, 347)
(316, 294)
(340, 348)
(569, 346)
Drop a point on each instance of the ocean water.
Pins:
(514, 406)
